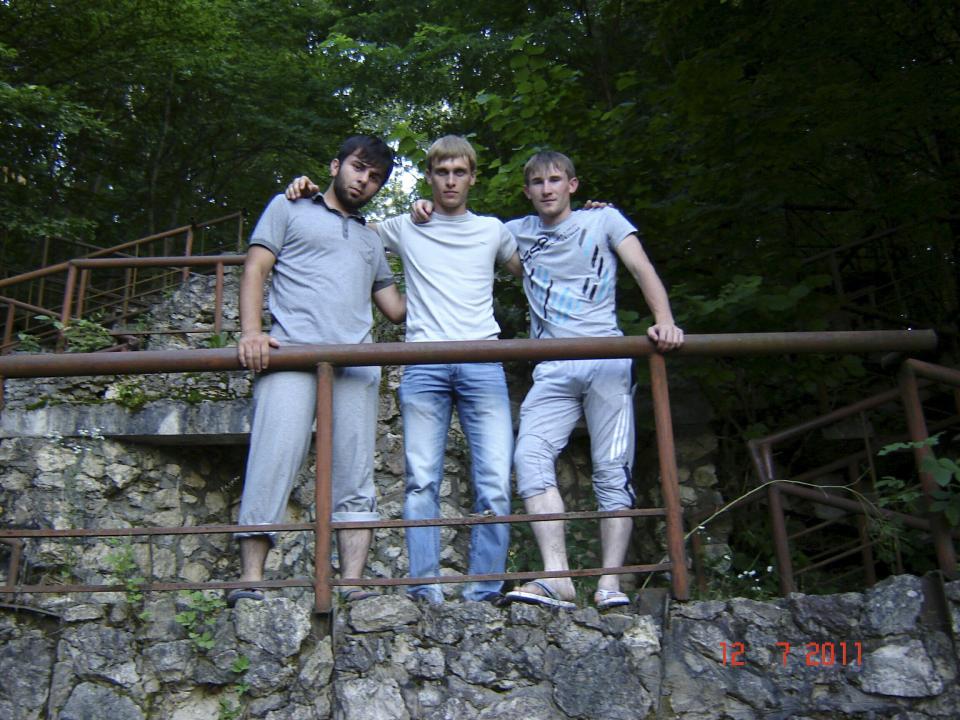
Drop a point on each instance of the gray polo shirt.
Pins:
(327, 267)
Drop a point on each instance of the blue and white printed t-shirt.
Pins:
(449, 265)
(328, 266)
(570, 272)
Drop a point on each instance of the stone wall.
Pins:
(879, 654)
(82, 453)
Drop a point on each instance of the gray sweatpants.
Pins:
(563, 390)
(283, 418)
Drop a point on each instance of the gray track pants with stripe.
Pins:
(563, 390)
(283, 417)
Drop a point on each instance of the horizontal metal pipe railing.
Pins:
(169, 261)
(334, 525)
(308, 356)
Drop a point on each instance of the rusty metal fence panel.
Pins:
(323, 357)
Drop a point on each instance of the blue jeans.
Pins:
(427, 394)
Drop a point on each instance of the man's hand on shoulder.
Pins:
(421, 212)
(301, 187)
(667, 336)
(597, 205)
(253, 350)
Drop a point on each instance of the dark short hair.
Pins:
(371, 150)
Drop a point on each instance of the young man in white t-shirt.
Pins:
(449, 265)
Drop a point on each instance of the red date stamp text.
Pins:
(813, 654)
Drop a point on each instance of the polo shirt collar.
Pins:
(320, 199)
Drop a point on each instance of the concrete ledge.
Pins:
(222, 422)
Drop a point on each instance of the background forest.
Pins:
(748, 139)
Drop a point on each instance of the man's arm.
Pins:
(391, 303)
(423, 209)
(253, 350)
(514, 266)
(664, 331)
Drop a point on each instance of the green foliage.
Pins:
(82, 334)
(123, 564)
(944, 471)
(741, 577)
(227, 709)
(220, 340)
(200, 621)
(200, 618)
(177, 110)
(130, 394)
(28, 343)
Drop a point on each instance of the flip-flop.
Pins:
(356, 594)
(548, 597)
(606, 599)
(244, 594)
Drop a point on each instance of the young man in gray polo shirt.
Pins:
(326, 267)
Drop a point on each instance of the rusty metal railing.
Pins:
(56, 291)
(762, 452)
(325, 357)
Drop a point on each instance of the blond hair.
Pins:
(450, 147)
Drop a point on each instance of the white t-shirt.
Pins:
(449, 267)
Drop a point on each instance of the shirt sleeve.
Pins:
(508, 243)
(389, 230)
(271, 228)
(383, 275)
(616, 227)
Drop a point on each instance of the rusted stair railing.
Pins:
(908, 393)
(67, 286)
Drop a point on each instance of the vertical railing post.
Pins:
(7, 341)
(669, 478)
(82, 292)
(67, 309)
(185, 274)
(218, 301)
(917, 428)
(240, 232)
(863, 528)
(323, 489)
(863, 519)
(38, 300)
(127, 291)
(8, 327)
(781, 541)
